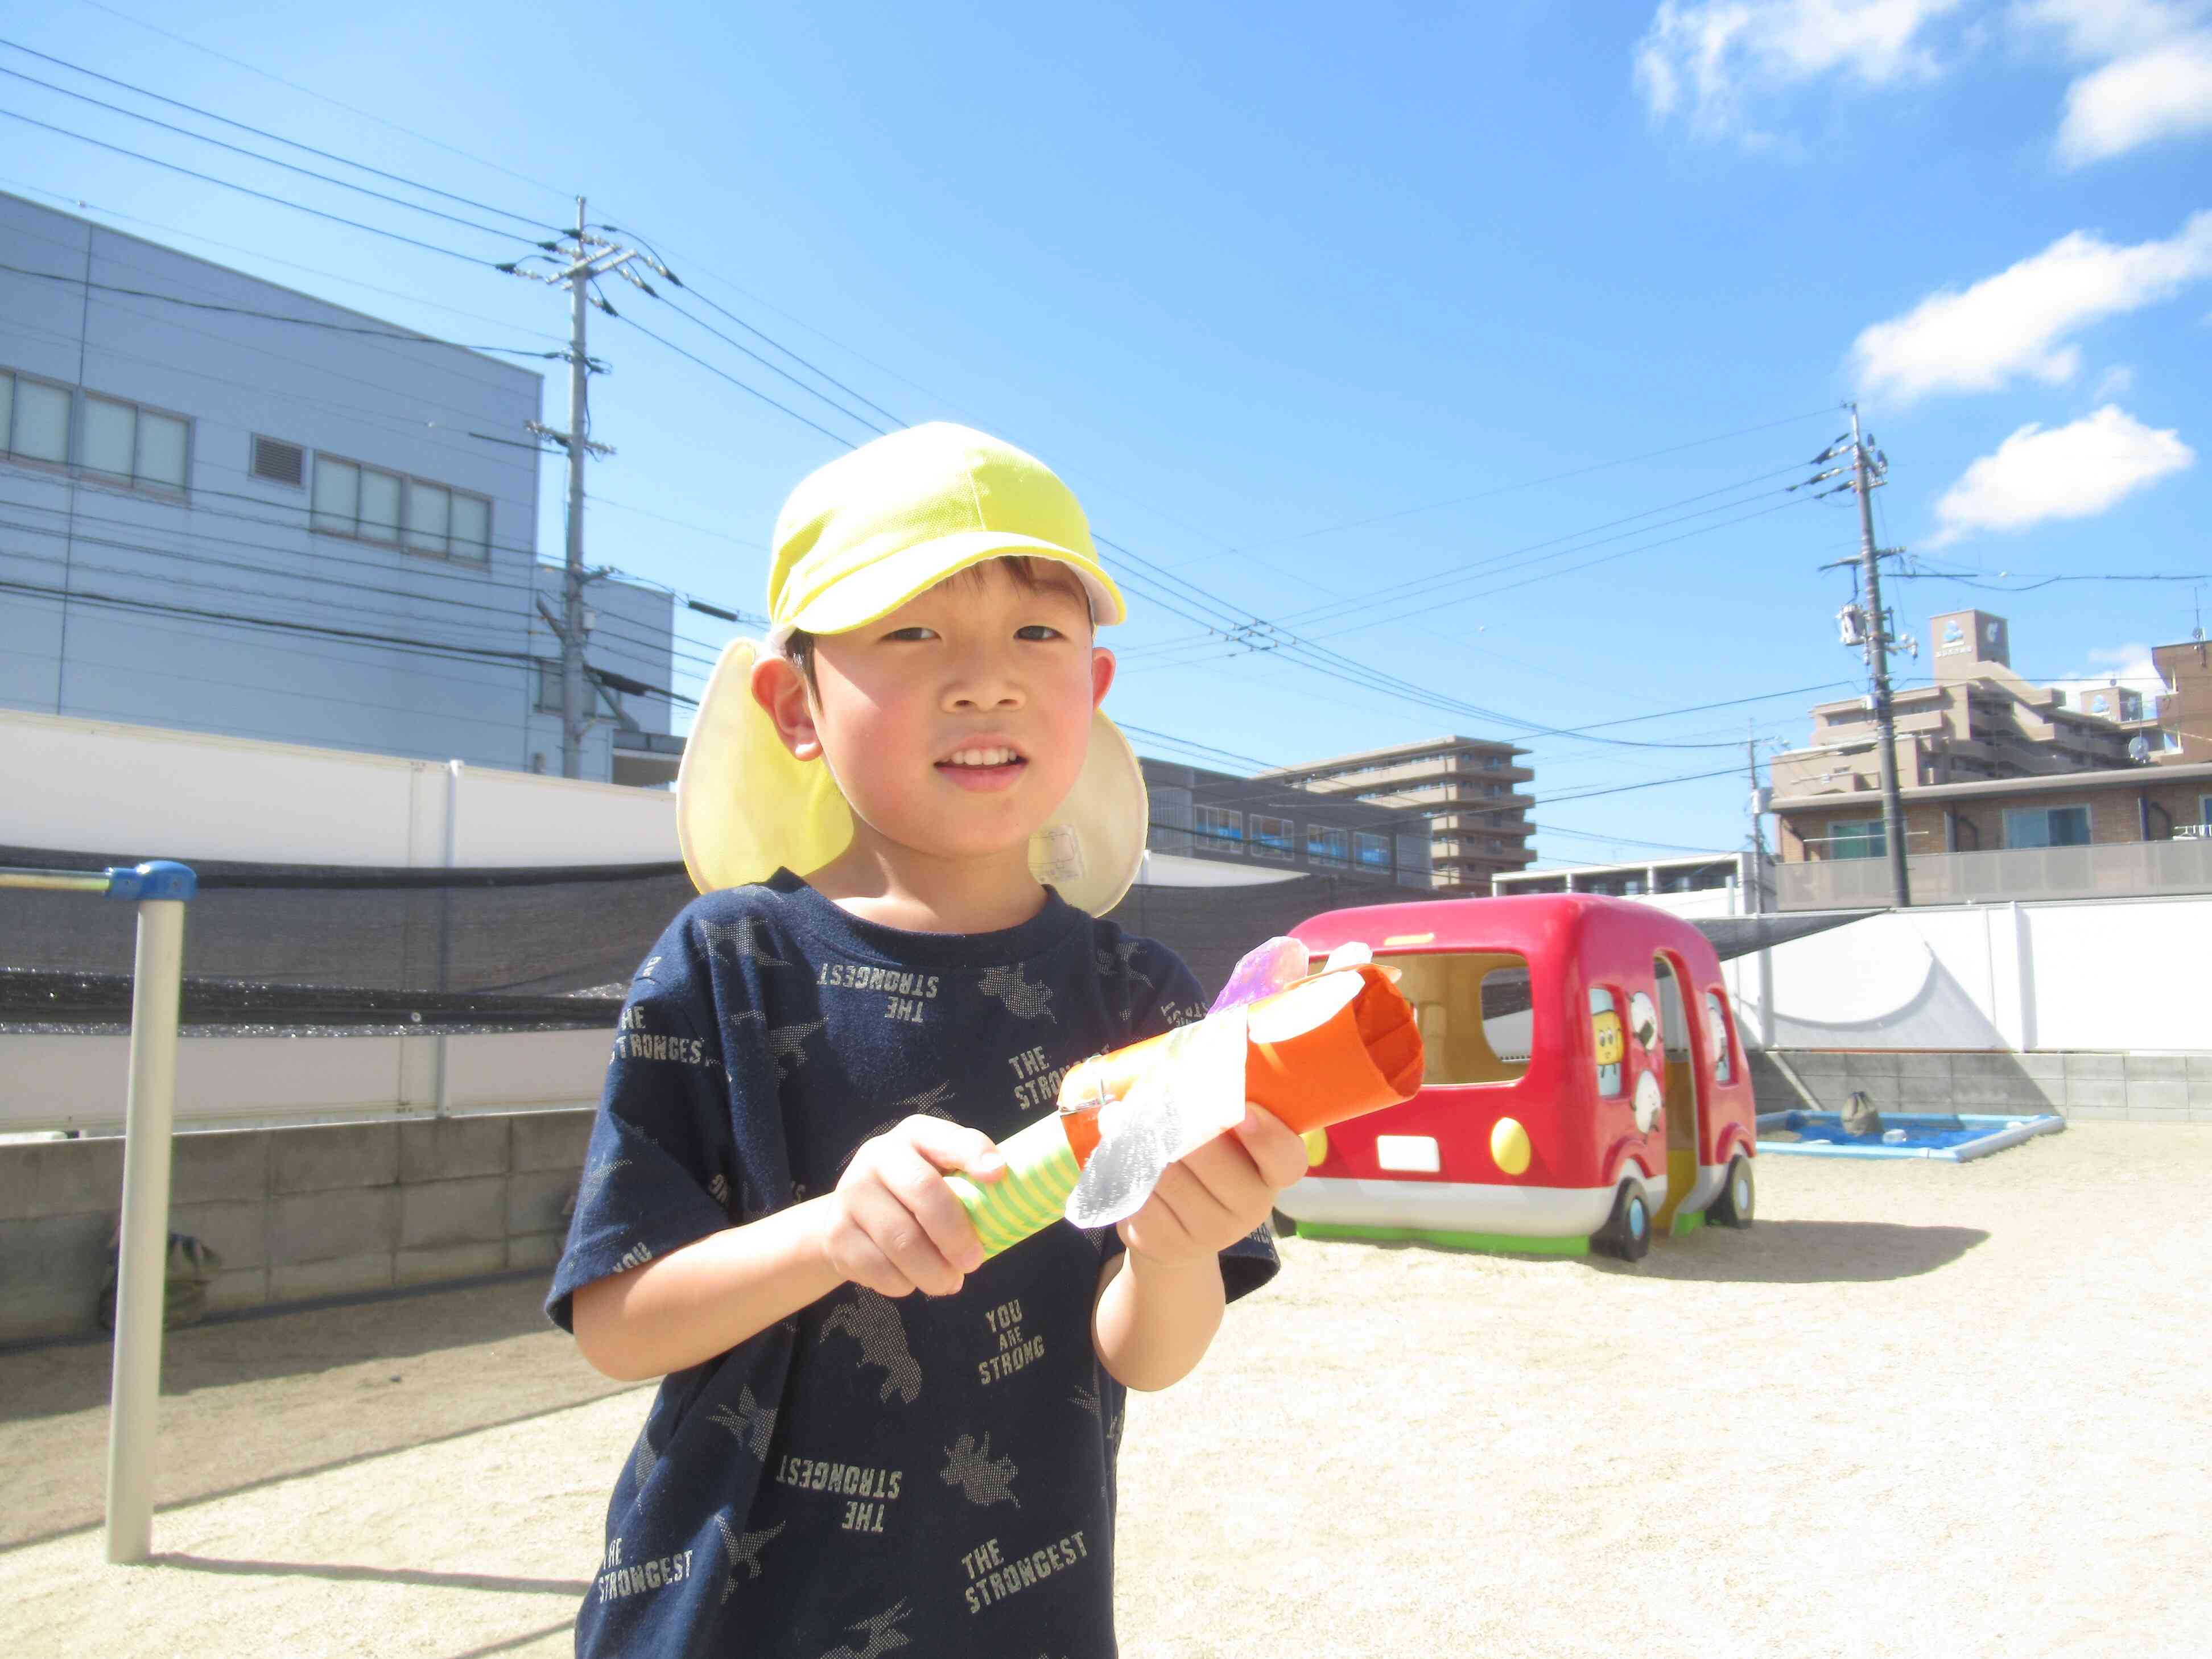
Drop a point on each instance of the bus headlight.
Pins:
(1316, 1147)
(1509, 1147)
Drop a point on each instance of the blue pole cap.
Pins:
(157, 879)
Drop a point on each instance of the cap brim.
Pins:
(860, 597)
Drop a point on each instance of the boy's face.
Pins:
(957, 724)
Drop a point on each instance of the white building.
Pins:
(231, 507)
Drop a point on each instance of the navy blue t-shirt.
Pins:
(877, 1472)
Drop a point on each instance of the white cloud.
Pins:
(2152, 78)
(2117, 381)
(2073, 472)
(2021, 322)
(2164, 93)
(1711, 61)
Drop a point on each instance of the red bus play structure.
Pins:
(1586, 1085)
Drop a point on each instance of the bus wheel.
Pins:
(1284, 1226)
(1627, 1231)
(1739, 1198)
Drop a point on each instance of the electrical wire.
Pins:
(722, 374)
(278, 138)
(772, 369)
(267, 161)
(366, 115)
(83, 206)
(270, 316)
(247, 190)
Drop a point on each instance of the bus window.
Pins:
(1717, 1033)
(1606, 1033)
(1476, 1012)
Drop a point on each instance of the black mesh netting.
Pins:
(302, 949)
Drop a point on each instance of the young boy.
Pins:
(836, 1466)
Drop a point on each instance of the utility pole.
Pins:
(1755, 902)
(582, 259)
(1869, 628)
(1866, 474)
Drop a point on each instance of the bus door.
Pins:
(1685, 1103)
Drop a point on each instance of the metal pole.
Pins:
(572, 609)
(1877, 635)
(1758, 836)
(142, 1267)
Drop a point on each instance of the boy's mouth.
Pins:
(985, 766)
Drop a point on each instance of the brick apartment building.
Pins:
(1471, 790)
(2179, 732)
(1978, 722)
(1260, 824)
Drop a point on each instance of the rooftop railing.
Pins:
(2139, 869)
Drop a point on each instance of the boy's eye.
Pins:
(1038, 631)
(916, 633)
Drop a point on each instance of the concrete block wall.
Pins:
(294, 1213)
(2145, 1088)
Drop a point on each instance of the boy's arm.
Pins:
(1157, 1312)
(892, 1224)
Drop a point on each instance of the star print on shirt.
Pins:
(1022, 998)
(743, 943)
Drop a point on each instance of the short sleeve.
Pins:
(658, 1169)
(1176, 998)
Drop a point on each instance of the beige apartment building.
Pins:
(1978, 723)
(2179, 733)
(1472, 790)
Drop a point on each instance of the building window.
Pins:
(374, 506)
(118, 441)
(35, 419)
(1371, 851)
(1220, 828)
(1857, 838)
(2204, 811)
(1330, 846)
(1273, 838)
(2046, 826)
(133, 445)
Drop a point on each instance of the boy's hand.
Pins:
(893, 1226)
(1221, 1192)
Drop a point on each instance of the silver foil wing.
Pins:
(1193, 1092)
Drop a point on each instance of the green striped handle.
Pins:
(1032, 1194)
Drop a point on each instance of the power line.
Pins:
(256, 155)
(1531, 484)
(83, 206)
(245, 190)
(270, 316)
(721, 374)
(366, 115)
(274, 137)
(772, 369)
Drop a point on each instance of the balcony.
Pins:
(2137, 869)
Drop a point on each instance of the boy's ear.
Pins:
(780, 689)
(1102, 674)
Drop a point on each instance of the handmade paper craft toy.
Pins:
(1312, 1048)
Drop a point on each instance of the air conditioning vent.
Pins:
(277, 462)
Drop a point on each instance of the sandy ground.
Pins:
(1918, 1410)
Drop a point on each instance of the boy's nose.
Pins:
(984, 687)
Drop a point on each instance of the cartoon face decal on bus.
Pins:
(1605, 1034)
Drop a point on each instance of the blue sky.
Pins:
(1318, 301)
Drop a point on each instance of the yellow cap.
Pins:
(857, 539)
